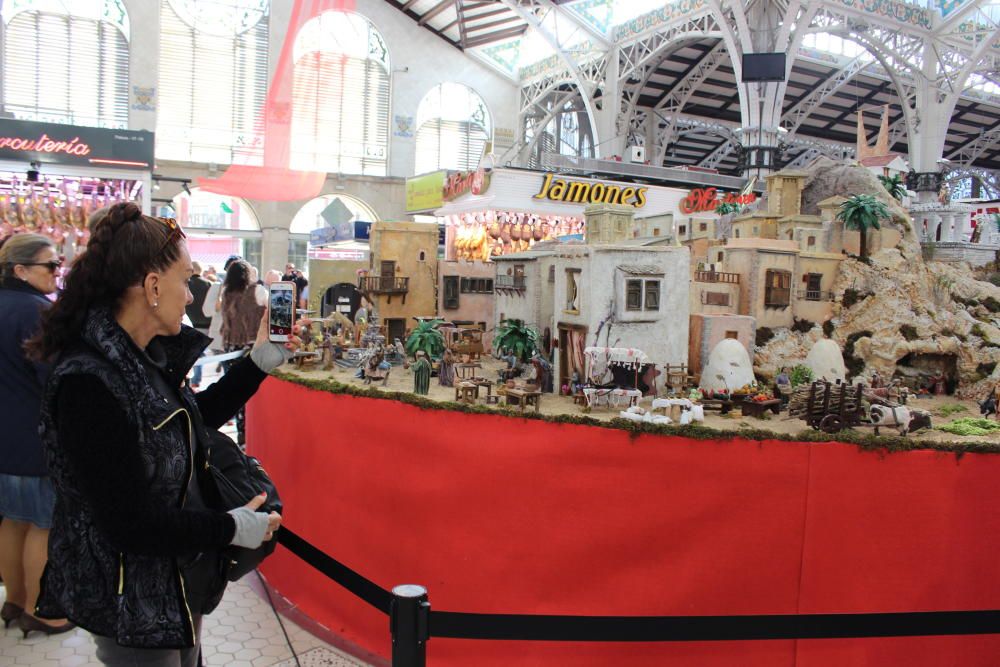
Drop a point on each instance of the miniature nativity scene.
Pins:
(820, 306)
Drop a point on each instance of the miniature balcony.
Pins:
(384, 285)
(514, 283)
(716, 277)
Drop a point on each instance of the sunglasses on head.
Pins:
(52, 266)
(174, 232)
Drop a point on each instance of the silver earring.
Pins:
(156, 304)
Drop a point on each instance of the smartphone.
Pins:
(281, 299)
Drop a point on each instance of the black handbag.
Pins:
(237, 479)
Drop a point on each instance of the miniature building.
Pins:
(620, 296)
(466, 293)
(715, 292)
(707, 331)
(524, 286)
(333, 285)
(607, 223)
(402, 276)
(765, 268)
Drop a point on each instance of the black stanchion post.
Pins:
(408, 623)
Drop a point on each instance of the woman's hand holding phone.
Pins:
(268, 355)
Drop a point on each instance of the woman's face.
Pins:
(174, 294)
(41, 273)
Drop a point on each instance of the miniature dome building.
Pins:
(729, 367)
(826, 361)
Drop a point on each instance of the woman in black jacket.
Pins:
(133, 552)
(28, 266)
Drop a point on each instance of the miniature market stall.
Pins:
(604, 385)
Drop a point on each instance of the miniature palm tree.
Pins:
(427, 338)
(863, 212)
(517, 337)
(894, 186)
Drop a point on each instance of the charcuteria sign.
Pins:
(44, 144)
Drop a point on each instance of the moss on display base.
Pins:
(865, 441)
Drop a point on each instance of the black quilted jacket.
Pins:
(109, 570)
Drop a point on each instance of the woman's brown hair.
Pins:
(124, 247)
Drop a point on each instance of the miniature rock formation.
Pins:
(728, 367)
(898, 315)
(826, 361)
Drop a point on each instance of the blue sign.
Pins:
(322, 236)
(362, 230)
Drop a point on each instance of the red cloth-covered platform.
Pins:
(495, 514)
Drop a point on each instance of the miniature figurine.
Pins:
(421, 374)
(446, 371)
(543, 372)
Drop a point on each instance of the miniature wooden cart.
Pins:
(829, 407)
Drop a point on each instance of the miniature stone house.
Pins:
(620, 296)
(402, 276)
(765, 268)
(523, 286)
(466, 294)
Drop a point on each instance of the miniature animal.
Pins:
(919, 419)
(890, 417)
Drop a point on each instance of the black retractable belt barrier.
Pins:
(710, 628)
(367, 590)
(412, 622)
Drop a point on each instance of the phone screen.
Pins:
(282, 302)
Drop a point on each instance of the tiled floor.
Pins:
(242, 632)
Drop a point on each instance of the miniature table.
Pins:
(488, 385)
(466, 392)
(757, 408)
(522, 397)
(672, 406)
(467, 371)
(617, 398)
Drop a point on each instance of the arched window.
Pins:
(66, 62)
(213, 79)
(218, 226)
(331, 211)
(453, 127)
(340, 98)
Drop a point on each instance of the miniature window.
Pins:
(552, 273)
(813, 284)
(777, 288)
(421, 256)
(633, 295)
(682, 230)
(573, 290)
(811, 241)
(451, 292)
(720, 257)
(733, 335)
(656, 231)
(736, 233)
(702, 226)
(715, 299)
(652, 291)
(477, 286)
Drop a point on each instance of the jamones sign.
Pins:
(701, 200)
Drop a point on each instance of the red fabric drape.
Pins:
(496, 514)
(275, 180)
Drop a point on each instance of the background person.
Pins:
(28, 265)
(135, 541)
(198, 287)
(241, 312)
